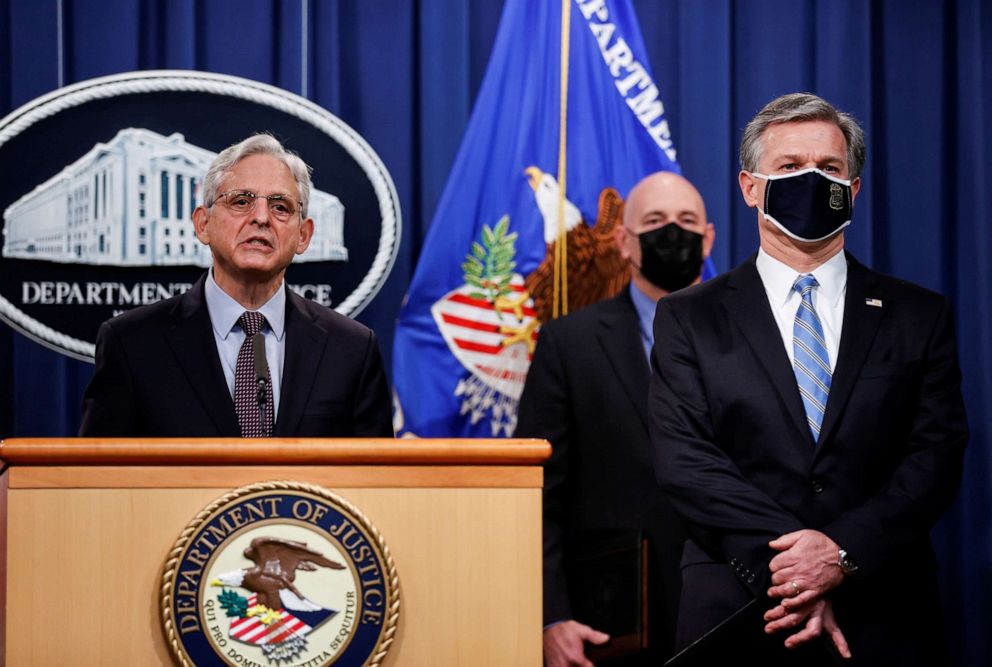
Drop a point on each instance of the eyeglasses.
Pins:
(242, 202)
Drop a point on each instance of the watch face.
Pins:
(846, 563)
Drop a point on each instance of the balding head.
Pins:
(660, 199)
(664, 196)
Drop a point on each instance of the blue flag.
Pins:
(484, 282)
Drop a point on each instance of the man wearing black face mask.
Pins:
(586, 392)
(807, 421)
(664, 257)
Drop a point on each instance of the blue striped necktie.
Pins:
(811, 363)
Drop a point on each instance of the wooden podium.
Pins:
(86, 526)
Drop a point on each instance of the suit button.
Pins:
(750, 579)
(816, 484)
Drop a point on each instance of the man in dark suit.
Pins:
(586, 392)
(187, 366)
(807, 419)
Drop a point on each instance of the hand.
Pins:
(564, 644)
(816, 618)
(805, 569)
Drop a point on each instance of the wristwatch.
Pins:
(846, 563)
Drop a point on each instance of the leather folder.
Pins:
(607, 578)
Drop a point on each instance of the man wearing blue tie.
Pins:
(807, 419)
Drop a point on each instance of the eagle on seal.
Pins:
(595, 269)
(276, 562)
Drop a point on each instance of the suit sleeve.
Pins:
(729, 517)
(544, 413)
(109, 400)
(373, 413)
(926, 478)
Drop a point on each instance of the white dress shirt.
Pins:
(224, 313)
(828, 298)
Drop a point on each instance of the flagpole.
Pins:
(560, 293)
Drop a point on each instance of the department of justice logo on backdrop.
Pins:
(280, 573)
(101, 179)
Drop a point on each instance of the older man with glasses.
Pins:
(240, 354)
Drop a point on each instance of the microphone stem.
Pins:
(262, 379)
(260, 397)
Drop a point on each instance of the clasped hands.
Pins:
(803, 572)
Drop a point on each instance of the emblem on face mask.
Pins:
(836, 197)
(807, 205)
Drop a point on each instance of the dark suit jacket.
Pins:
(733, 451)
(158, 374)
(587, 392)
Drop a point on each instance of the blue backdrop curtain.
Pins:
(404, 74)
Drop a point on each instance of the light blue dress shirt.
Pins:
(645, 307)
(224, 313)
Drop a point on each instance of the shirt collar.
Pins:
(224, 310)
(779, 278)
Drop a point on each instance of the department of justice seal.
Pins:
(280, 573)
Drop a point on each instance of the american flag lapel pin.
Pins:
(874, 302)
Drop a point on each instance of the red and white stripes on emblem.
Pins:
(251, 630)
(476, 331)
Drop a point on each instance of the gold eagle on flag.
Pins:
(596, 271)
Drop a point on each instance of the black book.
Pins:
(607, 575)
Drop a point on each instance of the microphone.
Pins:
(261, 378)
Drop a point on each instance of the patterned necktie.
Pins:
(255, 422)
(811, 364)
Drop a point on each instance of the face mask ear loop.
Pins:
(768, 181)
(768, 189)
(637, 239)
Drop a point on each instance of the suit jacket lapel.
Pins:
(857, 335)
(749, 309)
(192, 341)
(304, 350)
(620, 338)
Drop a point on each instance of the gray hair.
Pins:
(257, 144)
(797, 108)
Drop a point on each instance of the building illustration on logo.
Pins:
(129, 202)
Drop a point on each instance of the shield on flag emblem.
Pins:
(282, 627)
(494, 341)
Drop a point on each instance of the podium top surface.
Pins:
(280, 451)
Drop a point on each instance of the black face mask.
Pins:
(808, 205)
(671, 257)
